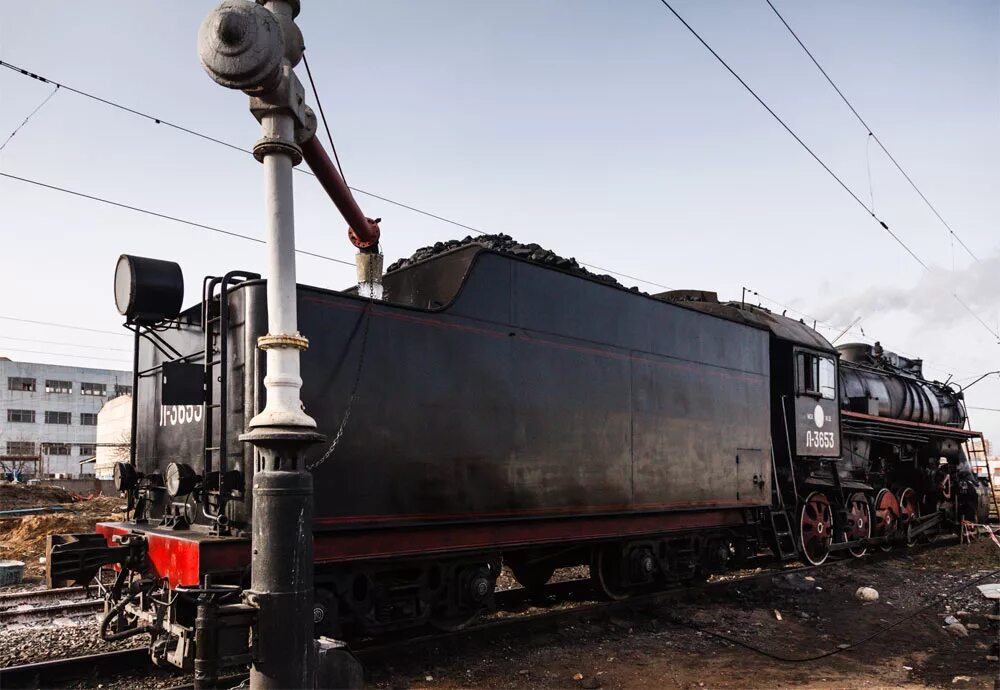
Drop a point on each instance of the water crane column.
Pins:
(253, 48)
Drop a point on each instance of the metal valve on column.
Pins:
(244, 46)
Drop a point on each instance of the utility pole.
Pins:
(253, 48)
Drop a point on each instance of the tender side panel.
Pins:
(527, 398)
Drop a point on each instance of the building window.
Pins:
(97, 389)
(58, 417)
(122, 390)
(56, 448)
(88, 449)
(18, 383)
(20, 448)
(21, 416)
(58, 386)
(88, 418)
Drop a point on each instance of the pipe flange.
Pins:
(269, 145)
(283, 341)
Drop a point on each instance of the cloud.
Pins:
(940, 298)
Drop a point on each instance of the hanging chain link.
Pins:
(367, 316)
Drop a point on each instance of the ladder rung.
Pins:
(214, 405)
(213, 448)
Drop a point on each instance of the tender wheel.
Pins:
(532, 576)
(909, 509)
(886, 516)
(607, 571)
(816, 528)
(474, 590)
(859, 517)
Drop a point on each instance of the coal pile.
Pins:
(505, 244)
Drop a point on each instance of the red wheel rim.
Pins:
(908, 508)
(859, 517)
(816, 528)
(886, 515)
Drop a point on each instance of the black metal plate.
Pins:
(182, 384)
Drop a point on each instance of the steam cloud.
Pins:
(932, 299)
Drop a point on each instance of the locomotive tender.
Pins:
(494, 410)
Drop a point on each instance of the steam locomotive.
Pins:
(504, 407)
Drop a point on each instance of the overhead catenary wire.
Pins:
(871, 133)
(165, 216)
(414, 209)
(30, 115)
(65, 344)
(791, 132)
(234, 147)
(64, 325)
(120, 360)
(820, 161)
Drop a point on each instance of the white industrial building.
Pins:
(48, 415)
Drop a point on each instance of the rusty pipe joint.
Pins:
(366, 243)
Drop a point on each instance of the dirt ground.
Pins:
(650, 647)
(23, 538)
(669, 644)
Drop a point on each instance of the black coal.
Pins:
(506, 244)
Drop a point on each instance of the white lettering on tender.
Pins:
(172, 415)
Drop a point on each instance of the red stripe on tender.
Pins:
(183, 559)
(348, 546)
(581, 511)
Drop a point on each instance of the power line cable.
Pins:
(30, 115)
(813, 154)
(322, 115)
(871, 134)
(166, 217)
(64, 325)
(206, 137)
(795, 136)
(120, 360)
(65, 344)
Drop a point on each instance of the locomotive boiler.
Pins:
(501, 406)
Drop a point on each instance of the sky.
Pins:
(598, 128)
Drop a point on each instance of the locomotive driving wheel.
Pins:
(886, 516)
(816, 528)
(908, 510)
(859, 522)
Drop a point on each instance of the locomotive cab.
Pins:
(815, 411)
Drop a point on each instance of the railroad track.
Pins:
(59, 672)
(36, 605)
(509, 616)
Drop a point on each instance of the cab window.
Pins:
(816, 375)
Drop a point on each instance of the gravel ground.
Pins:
(652, 647)
(22, 644)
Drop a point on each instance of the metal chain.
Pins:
(354, 388)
